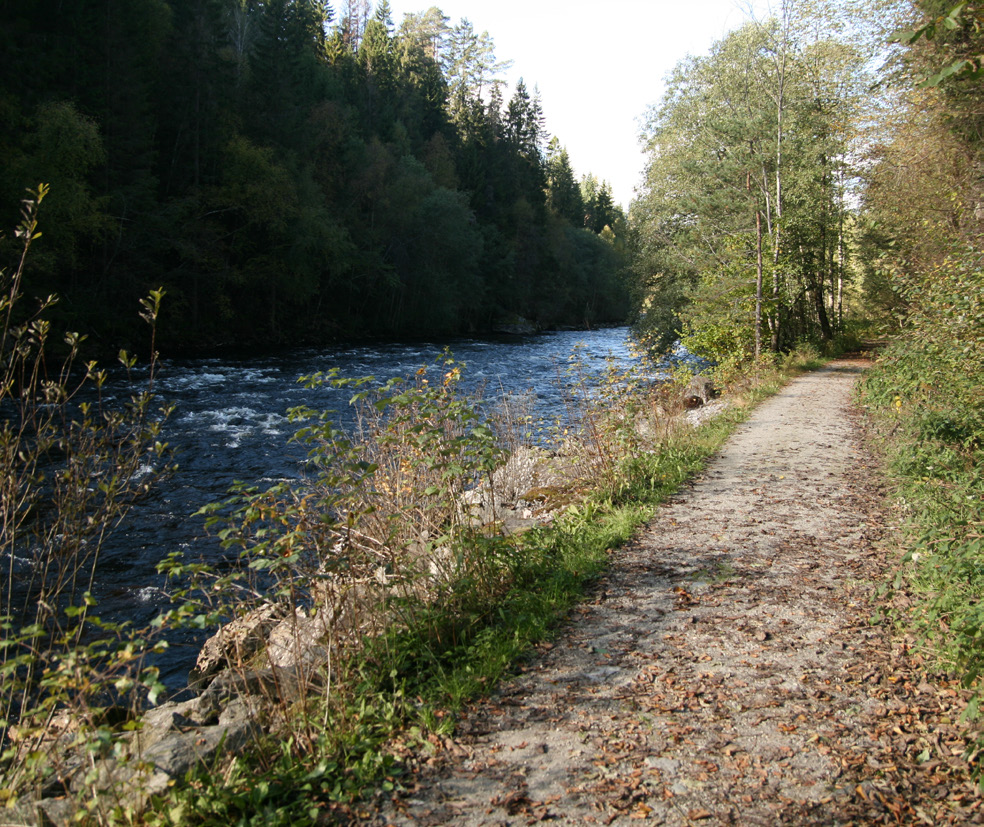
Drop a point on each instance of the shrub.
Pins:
(71, 467)
(929, 407)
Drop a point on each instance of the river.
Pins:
(230, 424)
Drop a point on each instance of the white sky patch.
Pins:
(598, 66)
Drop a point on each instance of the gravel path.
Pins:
(725, 670)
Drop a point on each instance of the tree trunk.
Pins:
(758, 286)
(821, 308)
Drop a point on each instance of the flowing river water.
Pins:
(230, 423)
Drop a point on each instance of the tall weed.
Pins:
(71, 467)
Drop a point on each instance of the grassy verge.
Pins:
(394, 697)
(927, 411)
(927, 406)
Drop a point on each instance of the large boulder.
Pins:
(699, 392)
(235, 643)
(518, 490)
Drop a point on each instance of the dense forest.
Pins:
(292, 171)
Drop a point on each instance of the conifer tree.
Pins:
(563, 192)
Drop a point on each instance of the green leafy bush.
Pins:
(928, 400)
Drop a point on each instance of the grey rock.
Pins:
(180, 751)
(524, 479)
(261, 684)
(157, 723)
(57, 812)
(300, 641)
(21, 815)
(235, 643)
(699, 392)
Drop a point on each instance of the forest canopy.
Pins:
(292, 171)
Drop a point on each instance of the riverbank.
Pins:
(460, 608)
(724, 669)
(353, 697)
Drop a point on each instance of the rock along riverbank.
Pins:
(725, 671)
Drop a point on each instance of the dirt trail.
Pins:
(724, 671)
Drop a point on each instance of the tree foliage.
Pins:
(745, 222)
(289, 170)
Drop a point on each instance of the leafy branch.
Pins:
(962, 17)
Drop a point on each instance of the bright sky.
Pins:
(598, 65)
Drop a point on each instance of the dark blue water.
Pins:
(230, 424)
